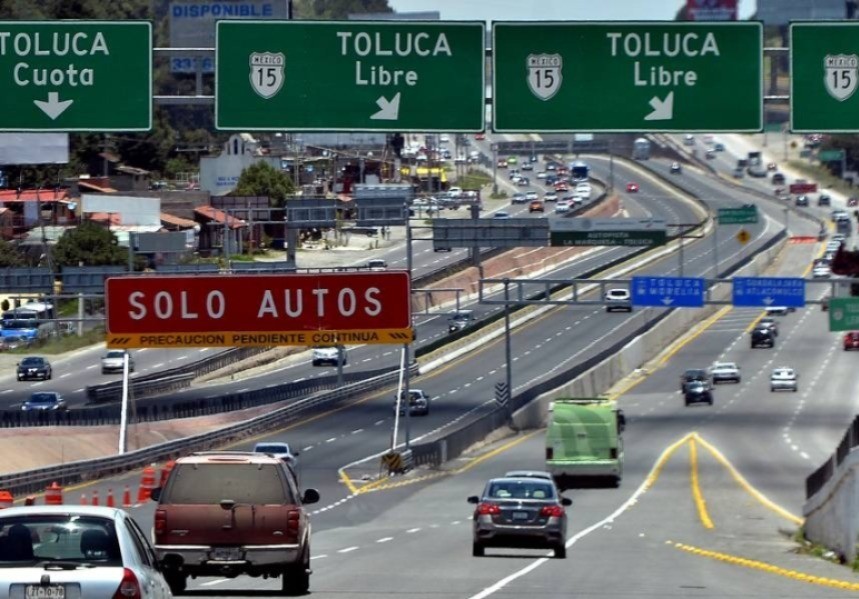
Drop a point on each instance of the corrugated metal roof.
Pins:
(177, 221)
(31, 195)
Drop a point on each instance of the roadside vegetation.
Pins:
(474, 179)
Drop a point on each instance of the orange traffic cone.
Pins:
(83, 499)
(6, 499)
(126, 497)
(147, 483)
(94, 497)
(109, 501)
(165, 472)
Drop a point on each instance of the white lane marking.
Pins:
(313, 557)
(308, 448)
(411, 530)
(159, 365)
(245, 390)
(331, 439)
(347, 549)
(357, 430)
(81, 390)
(212, 583)
(6, 391)
(182, 357)
(91, 366)
(378, 422)
(62, 376)
(385, 539)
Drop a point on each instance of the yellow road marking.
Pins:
(772, 569)
(345, 479)
(663, 459)
(763, 499)
(700, 503)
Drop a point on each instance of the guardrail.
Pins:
(146, 385)
(819, 477)
(168, 407)
(75, 472)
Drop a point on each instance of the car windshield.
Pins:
(43, 398)
(272, 448)
(696, 386)
(520, 489)
(245, 483)
(31, 362)
(115, 354)
(49, 538)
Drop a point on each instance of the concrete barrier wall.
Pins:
(599, 379)
(832, 514)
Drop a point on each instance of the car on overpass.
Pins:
(114, 361)
(328, 356)
(521, 512)
(281, 451)
(632, 187)
(676, 169)
(419, 402)
(34, 367)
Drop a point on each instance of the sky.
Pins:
(554, 10)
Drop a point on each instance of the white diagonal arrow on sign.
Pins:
(663, 110)
(54, 107)
(388, 109)
(667, 301)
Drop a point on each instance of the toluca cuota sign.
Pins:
(258, 310)
(76, 75)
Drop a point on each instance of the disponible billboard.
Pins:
(711, 10)
(192, 25)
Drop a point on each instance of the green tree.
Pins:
(262, 179)
(90, 243)
(10, 256)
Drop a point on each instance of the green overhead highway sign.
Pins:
(76, 75)
(746, 215)
(843, 313)
(824, 69)
(623, 76)
(350, 76)
(628, 232)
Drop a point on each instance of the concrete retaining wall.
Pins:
(599, 379)
(832, 514)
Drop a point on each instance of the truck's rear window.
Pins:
(242, 483)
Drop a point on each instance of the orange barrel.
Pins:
(6, 499)
(54, 494)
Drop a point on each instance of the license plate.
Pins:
(227, 554)
(37, 591)
(520, 515)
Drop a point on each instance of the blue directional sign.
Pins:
(763, 292)
(668, 292)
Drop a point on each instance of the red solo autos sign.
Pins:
(258, 310)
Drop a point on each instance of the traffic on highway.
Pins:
(527, 338)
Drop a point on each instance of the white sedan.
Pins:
(783, 379)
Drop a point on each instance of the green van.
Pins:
(583, 441)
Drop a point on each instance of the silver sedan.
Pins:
(65, 551)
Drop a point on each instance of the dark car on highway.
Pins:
(44, 401)
(34, 367)
(762, 337)
(520, 512)
(698, 392)
(693, 375)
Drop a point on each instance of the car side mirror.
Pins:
(227, 504)
(310, 496)
(621, 420)
(474, 499)
(155, 494)
(566, 501)
(296, 453)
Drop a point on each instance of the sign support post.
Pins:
(123, 415)
(508, 369)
